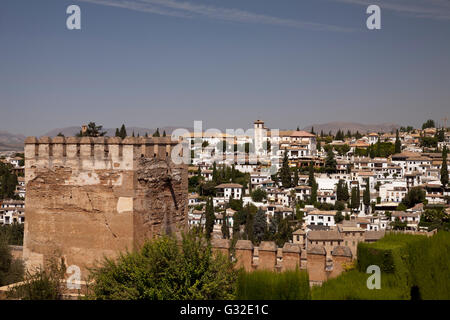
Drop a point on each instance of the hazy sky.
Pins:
(153, 63)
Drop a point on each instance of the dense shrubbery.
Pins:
(411, 267)
(429, 266)
(8, 181)
(269, 285)
(384, 252)
(42, 283)
(352, 286)
(164, 269)
(11, 270)
(12, 233)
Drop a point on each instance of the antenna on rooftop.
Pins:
(444, 120)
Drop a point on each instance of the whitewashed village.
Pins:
(330, 189)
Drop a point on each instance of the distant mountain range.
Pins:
(352, 126)
(11, 142)
(14, 142)
(111, 132)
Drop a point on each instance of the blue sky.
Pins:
(153, 63)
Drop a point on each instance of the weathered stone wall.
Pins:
(316, 262)
(290, 257)
(267, 255)
(93, 197)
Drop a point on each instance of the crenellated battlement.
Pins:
(269, 257)
(95, 153)
(99, 147)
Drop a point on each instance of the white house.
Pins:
(321, 218)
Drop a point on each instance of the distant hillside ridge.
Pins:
(352, 126)
(111, 132)
(11, 142)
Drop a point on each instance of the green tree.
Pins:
(440, 135)
(285, 172)
(42, 283)
(165, 269)
(366, 196)
(215, 175)
(123, 132)
(210, 218)
(156, 134)
(11, 270)
(92, 131)
(295, 182)
(330, 162)
(338, 218)
(12, 234)
(345, 195)
(356, 198)
(225, 227)
(414, 196)
(339, 135)
(249, 218)
(258, 195)
(398, 144)
(311, 178)
(444, 169)
(428, 124)
(259, 226)
(281, 230)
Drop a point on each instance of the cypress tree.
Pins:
(285, 172)
(210, 218)
(123, 132)
(249, 217)
(339, 191)
(311, 179)
(156, 134)
(366, 195)
(215, 175)
(259, 226)
(356, 198)
(117, 134)
(225, 228)
(398, 144)
(444, 169)
(314, 188)
(330, 161)
(296, 177)
(345, 195)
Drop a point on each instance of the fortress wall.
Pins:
(90, 197)
(293, 257)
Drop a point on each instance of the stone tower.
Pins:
(92, 197)
(260, 135)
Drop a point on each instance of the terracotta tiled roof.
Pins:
(324, 235)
